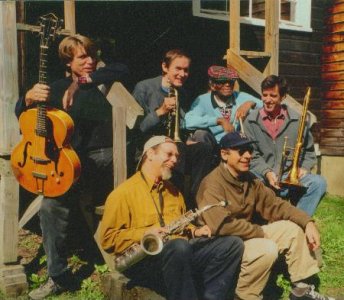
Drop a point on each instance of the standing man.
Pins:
(289, 232)
(159, 105)
(269, 126)
(219, 111)
(144, 204)
(79, 96)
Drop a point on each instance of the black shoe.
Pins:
(47, 289)
(307, 293)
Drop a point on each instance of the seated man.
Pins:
(218, 112)
(290, 231)
(144, 204)
(269, 126)
(159, 105)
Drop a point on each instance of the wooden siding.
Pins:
(332, 104)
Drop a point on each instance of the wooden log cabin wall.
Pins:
(332, 104)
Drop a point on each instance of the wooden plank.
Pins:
(69, 15)
(119, 142)
(333, 57)
(335, 18)
(332, 150)
(335, 47)
(335, 28)
(337, 76)
(336, 8)
(338, 132)
(332, 123)
(333, 85)
(335, 141)
(254, 54)
(332, 104)
(119, 96)
(234, 26)
(335, 95)
(33, 208)
(333, 38)
(332, 67)
(333, 114)
(272, 36)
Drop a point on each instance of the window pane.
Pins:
(285, 10)
(258, 9)
(214, 5)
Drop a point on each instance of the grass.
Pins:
(329, 218)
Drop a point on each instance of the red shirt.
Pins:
(273, 124)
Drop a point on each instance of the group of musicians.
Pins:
(229, 143)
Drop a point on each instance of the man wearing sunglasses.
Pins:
(219, 111)
(289, 230)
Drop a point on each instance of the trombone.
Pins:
(293, 177)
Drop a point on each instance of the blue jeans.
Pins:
(306, 199)
(204, 268)
(56, 213)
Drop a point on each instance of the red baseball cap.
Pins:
(219, 73)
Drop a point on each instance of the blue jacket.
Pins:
(204, 113)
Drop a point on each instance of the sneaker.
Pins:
(307, 293)
(47, 289)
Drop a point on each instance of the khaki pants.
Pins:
(282, 237)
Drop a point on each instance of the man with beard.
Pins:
(146, 203)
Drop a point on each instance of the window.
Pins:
(294, 14)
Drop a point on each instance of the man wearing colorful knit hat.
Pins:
(219, 111)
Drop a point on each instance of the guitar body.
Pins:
(46, 164)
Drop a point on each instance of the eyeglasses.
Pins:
(242, 150)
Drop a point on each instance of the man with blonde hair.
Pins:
(79, 96)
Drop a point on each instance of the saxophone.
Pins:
(152, 244)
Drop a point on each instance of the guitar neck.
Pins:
(41, 126)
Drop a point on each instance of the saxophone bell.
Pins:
(152, 244)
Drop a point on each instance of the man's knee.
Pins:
(178, 249)
(264, 251)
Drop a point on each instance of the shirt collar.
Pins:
(231, 101)
(281, 115)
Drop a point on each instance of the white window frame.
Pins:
(301, 14)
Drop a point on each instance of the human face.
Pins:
(178, 71)
(272, 100)
(164, 159)
(238, 159)
(223, 89)
(82, 63)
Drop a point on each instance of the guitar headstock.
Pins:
(50, 24)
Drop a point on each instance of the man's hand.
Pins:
(226, 125)
(67, 100)
(302, 172)
(156, 231)
(39, 92)
(313, 236)
(272, 179)
(168, 105)
(202, 231)
(243, 109)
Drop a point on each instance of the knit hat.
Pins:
(219, 73)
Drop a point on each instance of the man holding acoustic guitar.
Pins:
(91, 113)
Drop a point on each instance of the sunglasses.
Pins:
(224, 82)
(243, 149)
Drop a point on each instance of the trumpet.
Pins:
(293, 178)
(152, 244)
(173, 117)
